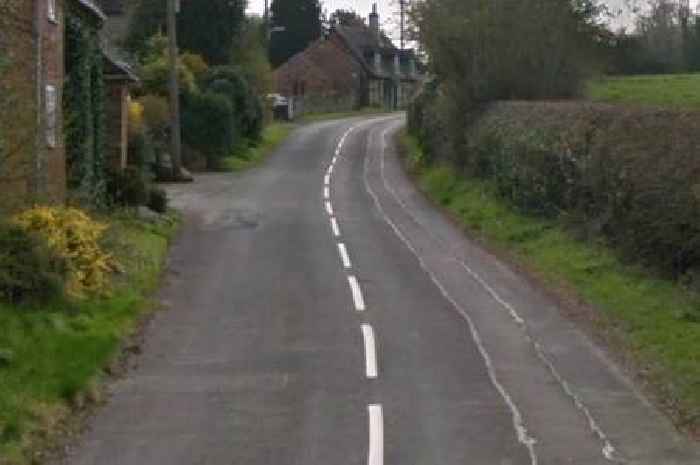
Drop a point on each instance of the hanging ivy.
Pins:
(84, 97)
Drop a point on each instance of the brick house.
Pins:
(351, 67)
(33, 47)
(32, 36)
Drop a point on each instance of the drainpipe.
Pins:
(35, 177)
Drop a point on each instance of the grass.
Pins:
(655, 320)
(679, 91)
(317, 117)
(53, 357)
(273, 135)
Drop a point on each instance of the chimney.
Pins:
(374, 20)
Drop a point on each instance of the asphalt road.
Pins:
(321, 312)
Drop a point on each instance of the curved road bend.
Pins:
(322, 313)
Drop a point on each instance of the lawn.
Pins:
(53, 357)
(653, 319)
(675, 91)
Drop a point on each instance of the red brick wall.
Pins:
(324, 70)
(31, 167)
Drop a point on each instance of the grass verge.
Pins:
(52, 358)
(645, 318)
(273, 135)
(679, 91)
(317, 117)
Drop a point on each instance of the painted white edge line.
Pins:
(329, 208)
(518, 422)
(326, 193)
(335, 227)
(370, 352)
(608, 450)
(330, 169)
(376, 435)
(327, 180)
(357, 297)
(344, 257)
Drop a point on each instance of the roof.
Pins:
(112, 7)
(362, 42)
(92, 7)
(116, 69)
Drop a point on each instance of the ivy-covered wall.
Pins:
(84, 100)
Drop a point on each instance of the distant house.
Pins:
(351, 67)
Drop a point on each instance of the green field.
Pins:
(674, 91)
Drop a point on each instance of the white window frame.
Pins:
(51, 108)
(51, 13)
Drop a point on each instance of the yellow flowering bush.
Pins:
(74, 237)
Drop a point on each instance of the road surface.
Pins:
(321, 312)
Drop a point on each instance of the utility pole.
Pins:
(402, 3)
(175, 136)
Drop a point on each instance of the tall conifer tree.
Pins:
(302, 23)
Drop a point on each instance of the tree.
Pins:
(302, 23)
(347, 18)
(250, 55)
(208, 27)
(205, 27)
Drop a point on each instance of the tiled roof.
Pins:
(92, 7)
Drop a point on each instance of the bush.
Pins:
(128, 187)
(158, 200)
(629, 175)
(28, 268)
(73, 237)
(248, 107)
(209, 125)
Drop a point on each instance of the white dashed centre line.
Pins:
(326, 193)
(344, 256)
(327, 180)
(376, 435)
(335, 227)
(329, 208)
(370, 352)
(357, 297)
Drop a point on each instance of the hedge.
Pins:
(627, 174)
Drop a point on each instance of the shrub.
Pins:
(208, 125)
(158, 200)
(249, 111)
(629, 175)
(28, 268)
(128, 187)
(74, 238)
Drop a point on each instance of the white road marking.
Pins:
(329, 208)
(330, 169)
(356, 294)
(335, 159)
(518, 422)
(608, 450)
(370, 352)
(376, 435)
(327, 180)
(344, 256)
(334, 227)
(326, 193)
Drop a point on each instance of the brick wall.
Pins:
(29, 167)
(326, 74)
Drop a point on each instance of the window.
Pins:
(51, 115)
(52, 10)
